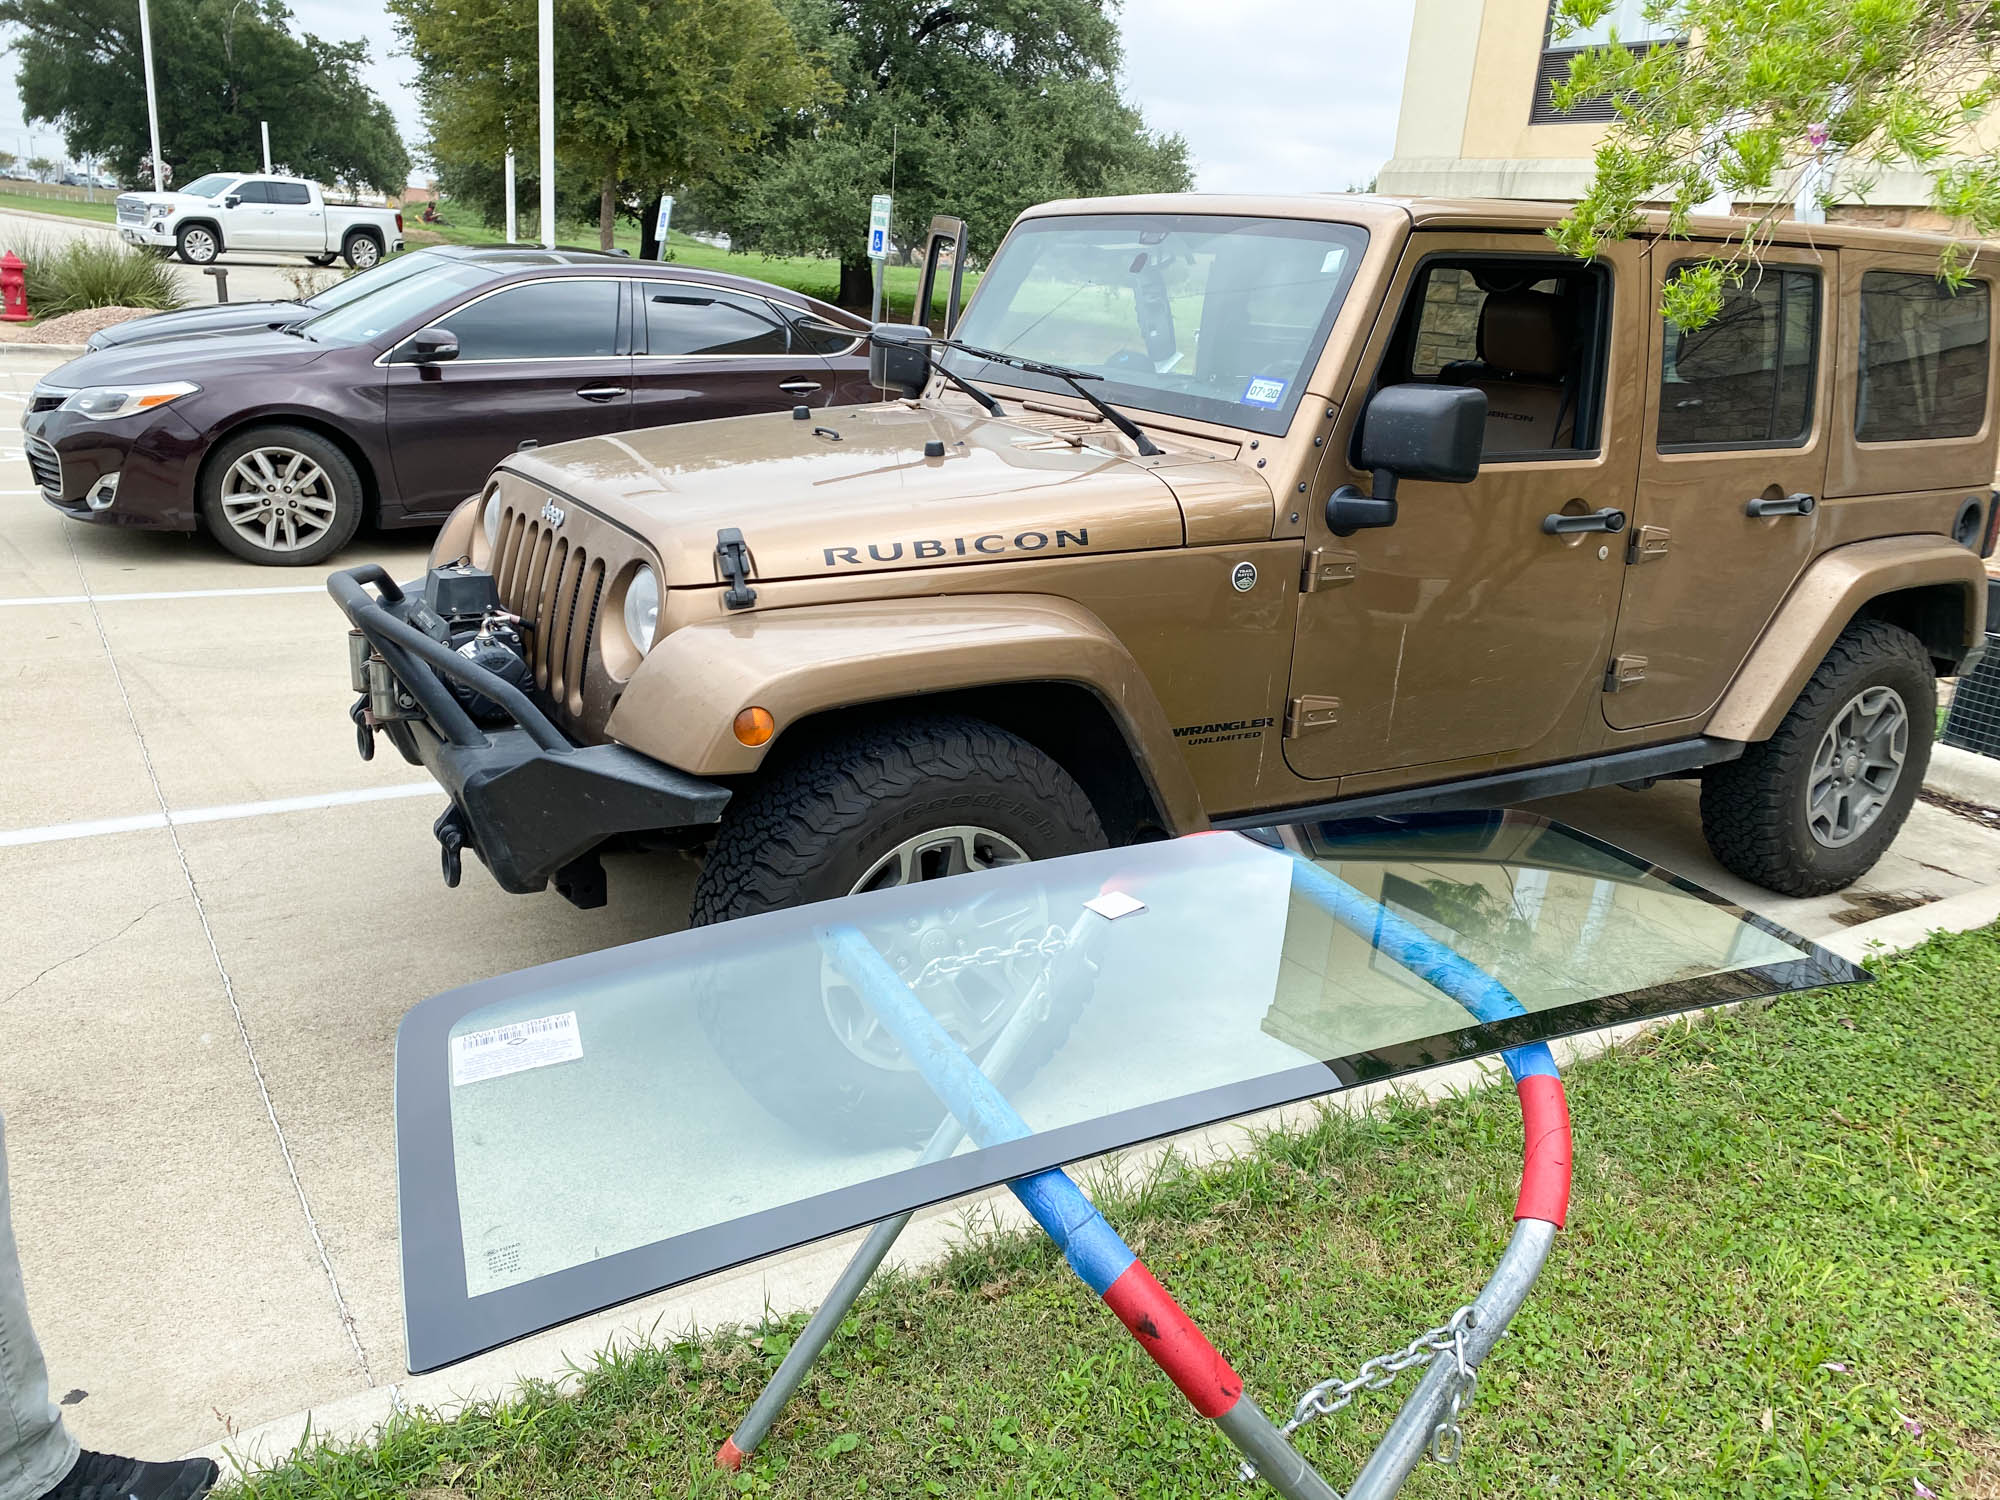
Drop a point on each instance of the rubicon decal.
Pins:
(929, 549)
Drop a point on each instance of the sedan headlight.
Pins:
(103, 402)
(642, 607)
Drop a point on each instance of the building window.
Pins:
(1628, 19)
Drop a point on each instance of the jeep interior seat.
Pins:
(1524, 356)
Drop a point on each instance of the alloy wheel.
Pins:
(279, 499)
(971, 1002)
(199, 245)
(1856, 767)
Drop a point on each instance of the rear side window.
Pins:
(1744, 380)
(540, 320)
(1923, 358)
(293, 193)
(686, 320)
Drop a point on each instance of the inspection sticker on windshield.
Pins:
(1264, 391)
(514, 1048)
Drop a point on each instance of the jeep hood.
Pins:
(852, 490)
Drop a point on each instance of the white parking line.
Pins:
(291, 588)
(53, 833)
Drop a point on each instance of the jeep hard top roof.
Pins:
(1372, 209)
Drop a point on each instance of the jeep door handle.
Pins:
(799, 387)
(1791, 505)
(1606, 519)
(602, 392)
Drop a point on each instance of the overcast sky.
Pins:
(1272, 95)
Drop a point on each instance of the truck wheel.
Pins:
(361, 250)
(198, 244)
(1812, 808)
(321, 260)
(922, 799)
(281, 496)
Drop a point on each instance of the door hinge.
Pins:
(1310, 711)
(1624, 672)
(1647, 544)
(1328, 568)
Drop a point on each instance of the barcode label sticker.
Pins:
(1112, 905)
(515, 1048)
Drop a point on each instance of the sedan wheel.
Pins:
(283, 496)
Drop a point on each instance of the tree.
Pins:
(647, 91)
(7, 160)
(42, 167)
(974, 107)
(1762, 93)
(221, 69)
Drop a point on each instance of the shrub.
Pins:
(68, 275)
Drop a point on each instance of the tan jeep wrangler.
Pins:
(1224, 511)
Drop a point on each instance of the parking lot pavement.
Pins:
(251, 277)
(216, 918)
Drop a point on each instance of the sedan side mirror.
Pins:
(1419, 431)
(433, 346)
(899, 358)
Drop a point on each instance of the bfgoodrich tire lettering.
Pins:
(1756, 812)
(815, 828)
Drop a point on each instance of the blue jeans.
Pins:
(36, 1451)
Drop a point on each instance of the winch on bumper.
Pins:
(534, 805)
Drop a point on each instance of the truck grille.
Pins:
(556, 586)
(131, 211)
(46, 465)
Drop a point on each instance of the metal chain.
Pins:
(1051, 942)
(1379, 1373)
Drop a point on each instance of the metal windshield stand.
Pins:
(979, 1108)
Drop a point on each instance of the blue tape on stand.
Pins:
(1091, 1246)
(1433, 962)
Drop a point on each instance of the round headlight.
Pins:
(491, 520)
(642, 607)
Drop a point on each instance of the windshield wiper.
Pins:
(1074, 378)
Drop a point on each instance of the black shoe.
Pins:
(106, 1476)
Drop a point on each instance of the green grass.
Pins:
(1781, 1278)
(104, 211)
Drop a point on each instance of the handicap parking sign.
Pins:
(878, 227)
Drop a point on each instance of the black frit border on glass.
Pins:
(443, 1324)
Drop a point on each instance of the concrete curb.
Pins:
(10, 346)
(1965, 775)
(799, 1280)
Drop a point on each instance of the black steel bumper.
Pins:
(530, 802)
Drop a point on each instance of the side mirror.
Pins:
(899, 359)
(231, 201)
(1433, 432)
(433, 346)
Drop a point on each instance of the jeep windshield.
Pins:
(1209, 316)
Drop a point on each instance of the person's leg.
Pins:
(36, 1451)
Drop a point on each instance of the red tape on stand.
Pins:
(1545, 1166)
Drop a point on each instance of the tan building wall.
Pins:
(1464, 129)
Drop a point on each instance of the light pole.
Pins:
(510, 195)
(152, 96)
(546, 37)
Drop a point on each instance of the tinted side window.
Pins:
(293, 193)
(689, 321)
(1923, 358)
(1746, 378)
(253, 192)
(541, 320)
(821, 341)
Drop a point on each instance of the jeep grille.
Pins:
(555, 585)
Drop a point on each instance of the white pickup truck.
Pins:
(238, 211)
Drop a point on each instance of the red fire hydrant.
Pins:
(14, 288)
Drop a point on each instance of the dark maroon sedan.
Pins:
(395, 406)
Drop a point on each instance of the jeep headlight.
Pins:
(103, 402)
(490, 521)
(642, 607)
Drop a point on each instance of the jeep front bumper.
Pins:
(533, 804)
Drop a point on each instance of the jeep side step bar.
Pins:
(1504, 788)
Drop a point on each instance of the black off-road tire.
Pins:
(1753, 810)
(814, 826)
(350, 499)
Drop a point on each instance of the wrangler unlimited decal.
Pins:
(1222, 733)
(993, 544)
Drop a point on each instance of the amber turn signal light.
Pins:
(755, 726)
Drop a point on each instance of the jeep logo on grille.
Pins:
(552, 513)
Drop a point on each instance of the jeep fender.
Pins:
(682, 702)
(1835, 588)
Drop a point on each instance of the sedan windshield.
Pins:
(374, 279)
(209, 186)
(1197, 315)
(369, 317)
